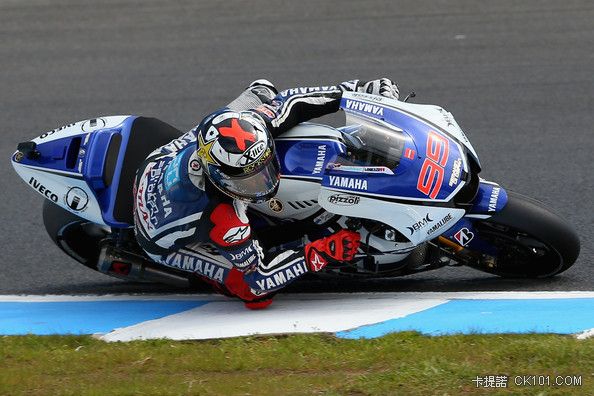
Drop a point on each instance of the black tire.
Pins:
(533, 241)
(75, 236)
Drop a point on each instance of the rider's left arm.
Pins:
(293, 106)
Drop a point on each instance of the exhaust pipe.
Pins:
(128, 266)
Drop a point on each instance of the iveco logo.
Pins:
(419, 224)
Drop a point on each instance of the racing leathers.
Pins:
(183, 221)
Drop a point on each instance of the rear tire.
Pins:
(532, 241)
(75, 236)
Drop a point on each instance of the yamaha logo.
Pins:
(275, 205)
(77, 199)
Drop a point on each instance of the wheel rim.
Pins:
(520, 254)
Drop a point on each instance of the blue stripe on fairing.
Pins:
(562, 316)
(83, 317)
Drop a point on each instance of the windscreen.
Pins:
(372, 144)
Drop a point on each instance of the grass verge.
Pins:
(402, 363)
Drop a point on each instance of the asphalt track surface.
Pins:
(518, 76)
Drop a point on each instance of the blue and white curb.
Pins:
(356, 315)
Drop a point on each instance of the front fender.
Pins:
(490, 199)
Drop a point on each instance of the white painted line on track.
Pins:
(286, 315)
(349, 315)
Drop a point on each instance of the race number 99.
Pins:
(432, 172)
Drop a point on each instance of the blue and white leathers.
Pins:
(182, 221)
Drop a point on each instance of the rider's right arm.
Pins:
(225, 224)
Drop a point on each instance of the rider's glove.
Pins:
(264, 89)
(383, 86)
(341, 246)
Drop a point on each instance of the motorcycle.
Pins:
(403, 175)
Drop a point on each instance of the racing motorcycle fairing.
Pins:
(431, 164)
(416, 222)
(88, 167)
(68, 165)
(400, 114)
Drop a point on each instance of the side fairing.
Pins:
(417, 223)
(304, 153)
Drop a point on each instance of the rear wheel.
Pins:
(531, 241)
(75, 236)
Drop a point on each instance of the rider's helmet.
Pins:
(237, 154)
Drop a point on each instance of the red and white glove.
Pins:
(341, 246)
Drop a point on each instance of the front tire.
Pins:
(531, 240)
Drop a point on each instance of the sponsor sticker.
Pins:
(253, 153)
(440, 224)
(275, 205)
(320, 159)
(344, 199)
(195, 165)
(36, 184)
(494, 198)
(419, 224)
(464, 236)
(93, 124)
(456, 171)
(76, 199)
(348, 182)
(409, 153)
(364, 107)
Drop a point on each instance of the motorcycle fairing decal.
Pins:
(432, 172)
(464, 234)
(78, 152)
(490, 199)
(81, 128)
(72, 194)
(308, 158)
(71, 175)
(426, 222)
(433, 116)
(437, 170)
(293, 190)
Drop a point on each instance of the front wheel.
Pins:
(530, 240)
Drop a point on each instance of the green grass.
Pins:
(404, 363)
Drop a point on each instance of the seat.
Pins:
(141, 137)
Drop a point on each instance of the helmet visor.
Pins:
(255, 188)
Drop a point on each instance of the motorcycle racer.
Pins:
(191, 195)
